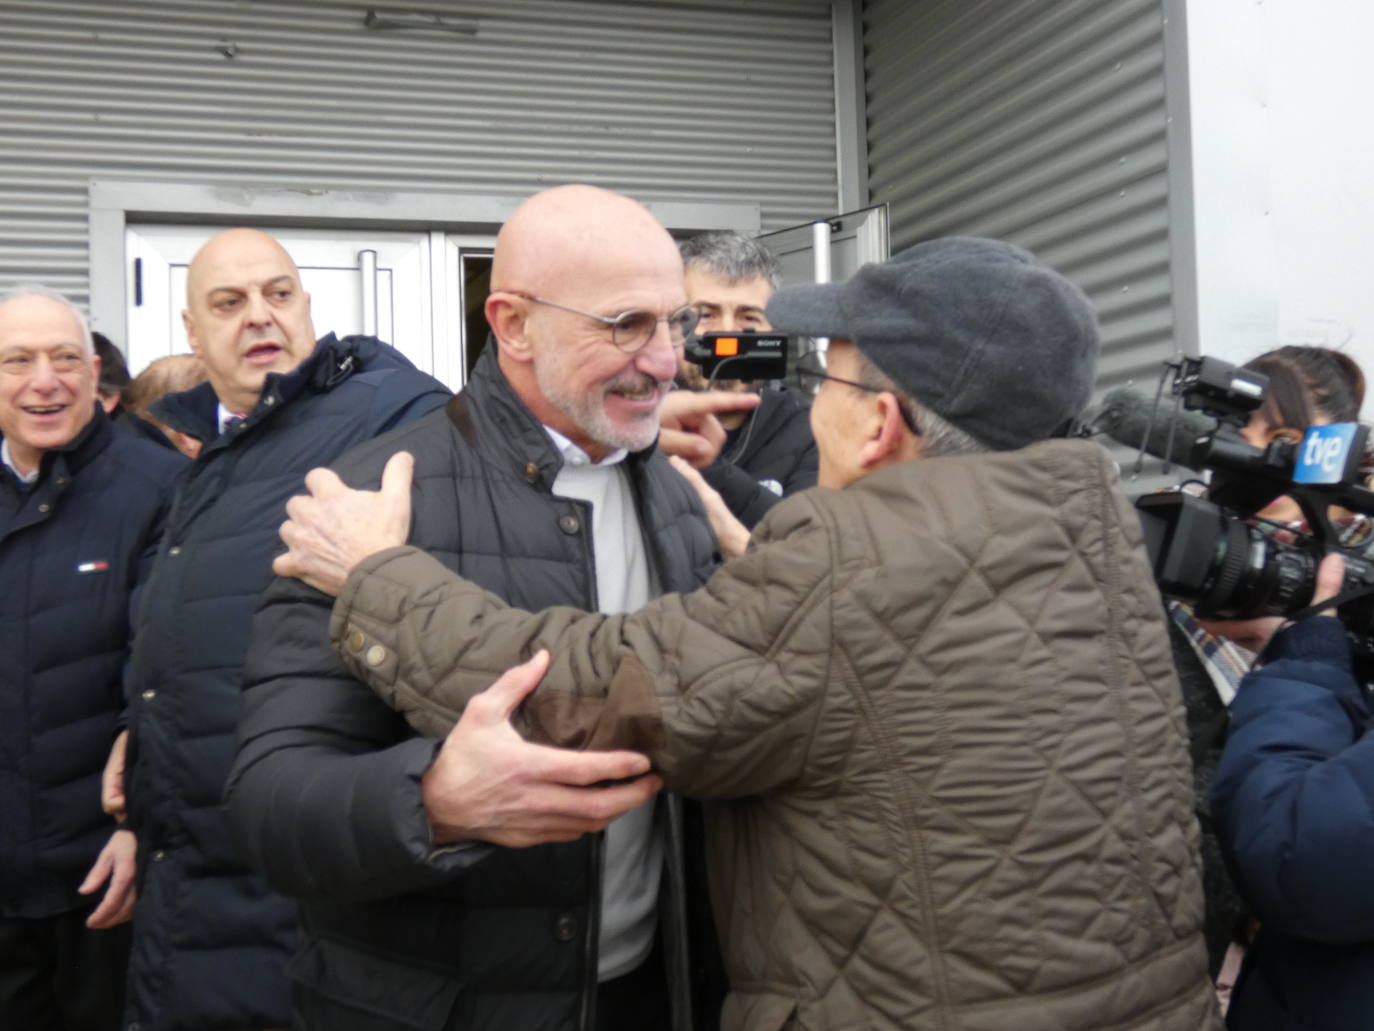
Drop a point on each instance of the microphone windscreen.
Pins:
(1129, 418)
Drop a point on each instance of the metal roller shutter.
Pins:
(1041, 122)
(666, 101)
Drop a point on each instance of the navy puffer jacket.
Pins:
(211, 941)
(73, 549)
(1294, 804)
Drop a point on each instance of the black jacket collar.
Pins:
(196, 411)
(78, 451)
(56, 470)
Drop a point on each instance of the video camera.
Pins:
(1215, 553)
(746, 355)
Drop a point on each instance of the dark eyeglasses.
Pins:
(811, 375)
(631, 330)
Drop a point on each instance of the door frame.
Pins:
(114, 203)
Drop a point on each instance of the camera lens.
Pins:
(1290, 578)
(1255, 575)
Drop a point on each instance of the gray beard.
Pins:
(588, 413)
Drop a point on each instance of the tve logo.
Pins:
(1327, 452)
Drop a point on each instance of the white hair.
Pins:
(939, 436)
(39, 290)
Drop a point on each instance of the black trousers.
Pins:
(637, 1001)
(56, 974)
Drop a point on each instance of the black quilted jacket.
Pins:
(770, 457)
(325, 800)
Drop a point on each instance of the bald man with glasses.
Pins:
(478, 881)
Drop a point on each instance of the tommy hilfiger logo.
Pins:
(98, 566)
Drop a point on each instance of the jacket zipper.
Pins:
(596, 855)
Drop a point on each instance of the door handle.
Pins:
(367, 270)
(820, 257)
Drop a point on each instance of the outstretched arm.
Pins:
(667, 679)
(681, 680)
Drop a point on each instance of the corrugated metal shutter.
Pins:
(1041, 122)
(665, 101)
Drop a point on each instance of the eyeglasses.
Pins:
(631, 330)
(811, 375)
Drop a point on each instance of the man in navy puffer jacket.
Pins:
(1293, 799)
(81, 508)
(211, 940)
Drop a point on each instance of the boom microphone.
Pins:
(1129, 417)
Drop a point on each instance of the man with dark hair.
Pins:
(81, 509)
(211, 941)
(114, 374)
(932, 706)
(768, 451)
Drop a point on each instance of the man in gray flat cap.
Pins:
(933, 712)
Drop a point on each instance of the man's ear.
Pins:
(508, 324)
(889, 440)
(96, 365)
(189, 325)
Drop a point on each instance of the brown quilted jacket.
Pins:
(937, 717)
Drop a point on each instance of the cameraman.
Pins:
(1293, 801)
(768, 451)
(1308, 386)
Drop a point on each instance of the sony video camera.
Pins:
(1216, 554)
(746, 355)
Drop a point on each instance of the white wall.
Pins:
(1283, 174)
(1323, 172)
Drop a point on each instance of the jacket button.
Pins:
(269, 400)
(569, 524)
(565, 927)
(159, 856)
(149, 695)
(61, 481)
(356, 640)
(174, 551)
(44, 507)
(376, 655)
(532, 472)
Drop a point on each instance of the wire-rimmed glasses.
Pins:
(811, 375)
(631, 330)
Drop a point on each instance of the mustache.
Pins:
(632, 381)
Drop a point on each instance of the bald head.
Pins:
(569, 260)
(234, 248)
(576, 231)
(246, 314)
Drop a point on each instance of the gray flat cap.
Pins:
(979, 331)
